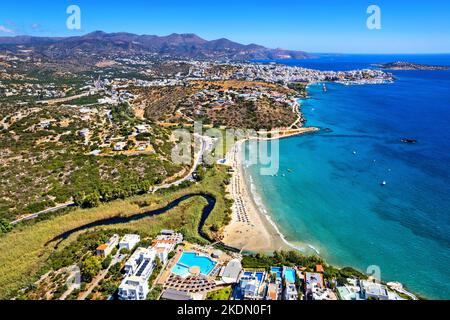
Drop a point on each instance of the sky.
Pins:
(337, 26)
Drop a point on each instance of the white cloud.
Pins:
(5, 30)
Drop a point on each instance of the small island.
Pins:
(401, 65)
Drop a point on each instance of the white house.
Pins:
(129, 241)
(169, 235)
(315, 288)
(373, 290)
(106, 248)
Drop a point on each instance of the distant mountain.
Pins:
(174, 45)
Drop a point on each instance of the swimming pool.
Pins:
(277, 271)
(258, 275)
(289, 275)
(192, 259)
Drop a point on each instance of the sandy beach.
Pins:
(250, 229)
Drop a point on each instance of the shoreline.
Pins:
(251, 228)
(269, 227)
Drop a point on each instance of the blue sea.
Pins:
(328, 193)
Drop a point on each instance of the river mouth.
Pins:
(211, 203)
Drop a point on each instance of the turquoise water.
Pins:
(192, 259)
(277, 270)
(327, 194)
(259, 275)
(289, 275)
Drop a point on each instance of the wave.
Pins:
(257, 199)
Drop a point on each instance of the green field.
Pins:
(221, 294)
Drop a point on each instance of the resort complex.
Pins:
(169, 268)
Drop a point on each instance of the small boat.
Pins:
(354, 152)
(383, 183)
(411, 141)
(324, 87)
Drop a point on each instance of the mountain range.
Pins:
(175, 45)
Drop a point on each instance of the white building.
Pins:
(119, 146)
(290, 292)
(139, 268)
(315, 288)
(162, 250)
(170, 235)
(136, 259)
(232, 271)
(373, 290)
(249, 285)
(106, 248)
(142, 128)
(133, 288)
(350, 291)
(129, 241)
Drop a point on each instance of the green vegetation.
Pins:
(221, 294)
(155, 293)
(5, 226)
(79, 250)
(51, 164)
(280, 258)
(87, 100)
(25, 255)
(341, 275)
(90, 267)
(299, 87)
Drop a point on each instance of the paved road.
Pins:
(35, 215)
